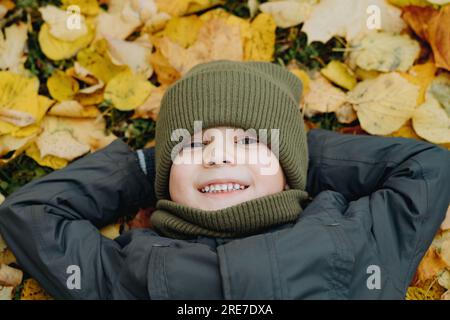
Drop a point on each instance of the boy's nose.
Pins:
(218, 155)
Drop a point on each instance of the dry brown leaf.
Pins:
(432, 26)
(430, 266)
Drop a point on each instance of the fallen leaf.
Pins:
(216, 40)
(132, 54)
(440, 90)
(346, 114)
(60, 143)
(47, 161)
(430, 266)
(259, 45)
(58, 26)
(12, 45)
(303, 76)
(322, 97)
(57, 49)
(288, 13)
(97, 62)
(183, 30)
(384, 104)
(62, 86)
(150, 108)
(176, 8)
(421, 75)
(446, 223)
(72, 108)
(10, 276)
(431, 122)
(127, 91)
(385, 52)
(111, 231)
(18, 101)
(432, 26)
(340, 74)
(33, 291)
(349, 19)
(6, 293)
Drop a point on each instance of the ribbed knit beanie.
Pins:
(247, 95)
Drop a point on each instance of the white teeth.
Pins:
(222, 188)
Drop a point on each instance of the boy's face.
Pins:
(226, 157)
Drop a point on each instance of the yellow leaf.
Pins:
(404, 3)
(88, 99)
(166, 73)
(96, 60)
(111, 231)
(421, 75)
(181, 7)
(59, 28)
(48, 161)
(18, 94)
(362, 74)
(216, 40)
(303, 76)
(406, 131)
(150, 108)
(183, 30)
(384, 104)
(260, 45)
(56, 49)
(431, 122)
(127, 91)
(62, 86)
(9, 143)
(382, 51)
(338, 73)
(33, 291)
(72, 108)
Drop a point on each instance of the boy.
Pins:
(226, 227)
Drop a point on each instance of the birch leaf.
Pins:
(62, 86)
(385, 52)
(56, 20)
(12, 46)
(431, 122)
(349, 19)
(384, 104)
(127, 91)
(322, 97)
(287, 13)
(338, 73)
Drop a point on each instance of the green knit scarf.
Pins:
(178, 221)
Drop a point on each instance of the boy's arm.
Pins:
(52, 222)
(402, 183)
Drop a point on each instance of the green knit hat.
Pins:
(247, 95)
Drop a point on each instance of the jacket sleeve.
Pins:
(403, 185)
(52, 223)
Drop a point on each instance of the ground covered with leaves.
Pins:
(78, 74)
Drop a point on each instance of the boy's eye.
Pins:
(195, 144)
(247, 140)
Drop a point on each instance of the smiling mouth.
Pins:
(223, 188)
